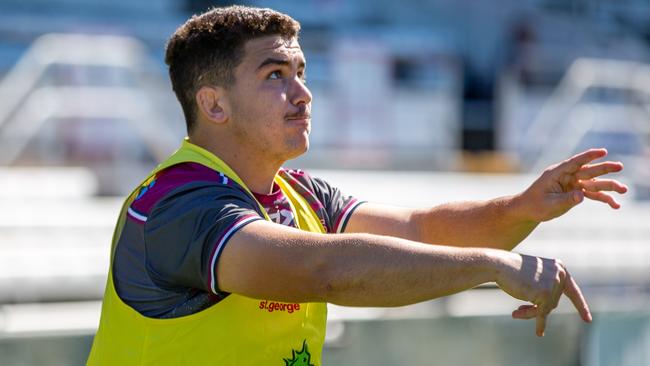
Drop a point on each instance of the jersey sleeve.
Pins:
(187, 231)
(338, 206)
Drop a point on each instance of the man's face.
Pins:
(270, 104)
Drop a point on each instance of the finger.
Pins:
(603, 197)
(540, 323)
(595, 185)
(525, 312)
(596, 170)
(572, 291)
(574, 163)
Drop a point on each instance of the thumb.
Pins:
(525, 312)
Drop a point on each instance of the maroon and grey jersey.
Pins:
(176, 228)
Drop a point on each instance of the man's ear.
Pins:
(213, 104)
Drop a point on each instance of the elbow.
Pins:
(336, 276)
(307, 270)
(324, 274)
(334, 270)
(321, 280)
(416, 225)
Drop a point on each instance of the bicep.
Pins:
(380, 219)
(271, 261)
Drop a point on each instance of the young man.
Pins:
(223, 257)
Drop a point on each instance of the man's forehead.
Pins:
(272, 45)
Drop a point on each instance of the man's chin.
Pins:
(299, 150)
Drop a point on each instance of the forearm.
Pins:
(498, 223)
(370, 270)
(265, 260)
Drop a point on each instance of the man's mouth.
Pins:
(302, 114)
(303, 119)
(300, 121)
(299, 118)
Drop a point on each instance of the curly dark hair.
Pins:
(209, 46)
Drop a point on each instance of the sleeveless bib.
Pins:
(235, 331)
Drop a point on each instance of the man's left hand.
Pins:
(566, 184)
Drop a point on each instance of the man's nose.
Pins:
(300, 93)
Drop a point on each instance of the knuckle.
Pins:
(549, 169)
(564, 179)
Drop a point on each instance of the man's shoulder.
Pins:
(176, 178)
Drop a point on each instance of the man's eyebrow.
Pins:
(275, 61)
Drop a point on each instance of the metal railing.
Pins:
(566, 117)
(29, 98)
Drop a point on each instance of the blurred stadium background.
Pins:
(458, 99)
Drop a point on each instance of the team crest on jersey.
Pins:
(299, 358)
(146, 186)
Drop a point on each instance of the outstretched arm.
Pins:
(502, 222)
(275, 262)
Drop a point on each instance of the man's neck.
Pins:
(256, 173)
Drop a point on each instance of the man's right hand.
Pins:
(541, 281)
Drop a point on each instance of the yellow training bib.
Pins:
(235, 331)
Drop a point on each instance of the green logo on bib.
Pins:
(300, 358)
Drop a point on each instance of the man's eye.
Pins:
(275, 75)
